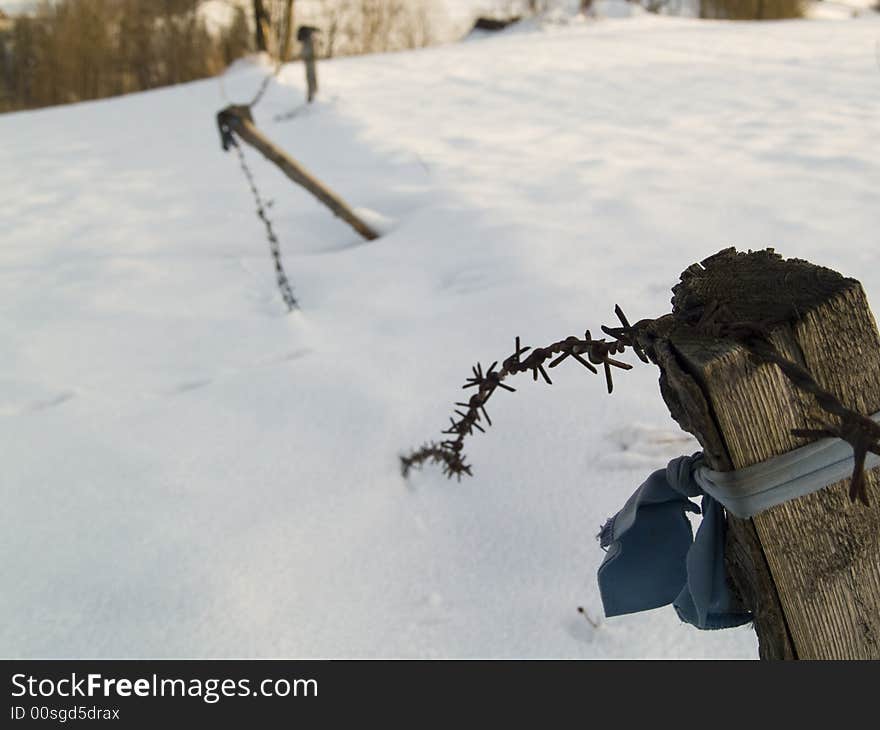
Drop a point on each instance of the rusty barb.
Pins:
(472, 414)
(859, 431)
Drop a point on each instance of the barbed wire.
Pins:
(228, 140)
(261, 91)
(274, 246)
(587, 351)
(859, 431)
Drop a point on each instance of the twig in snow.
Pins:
(595, 624)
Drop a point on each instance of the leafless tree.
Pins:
(262, 26)
(72, 50)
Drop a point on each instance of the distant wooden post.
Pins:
(809, 569)
(305, 36)
(238, 120)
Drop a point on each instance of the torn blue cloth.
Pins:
(653, 558)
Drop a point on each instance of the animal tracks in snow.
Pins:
(187, 386)
(192, 384)
(57, 400)
(469, 280)
(19, 398)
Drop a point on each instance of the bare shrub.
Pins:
(351, 27)
(73, 50)
(751, 9)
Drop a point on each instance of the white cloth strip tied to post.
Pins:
(654, 559)
(746, 492)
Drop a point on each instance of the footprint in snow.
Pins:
(18, 398)
(470, 280)
(644, 447)
(435, 607)
(187, 386)
(53, 402)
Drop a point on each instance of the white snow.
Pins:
(220, 14)
(841, 9)
(16, 7)
(189, 471)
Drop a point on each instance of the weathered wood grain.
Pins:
(746, 563)
(817, 557)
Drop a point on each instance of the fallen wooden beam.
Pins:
(237, 120)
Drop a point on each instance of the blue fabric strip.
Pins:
(652, 556)
(653, 559)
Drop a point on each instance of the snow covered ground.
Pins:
(189, 471)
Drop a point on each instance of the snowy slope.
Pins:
(188, 471)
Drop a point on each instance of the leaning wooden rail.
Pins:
(237, 120)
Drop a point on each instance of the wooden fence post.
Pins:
(238, 120)
(305, 36)
(809, 569)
